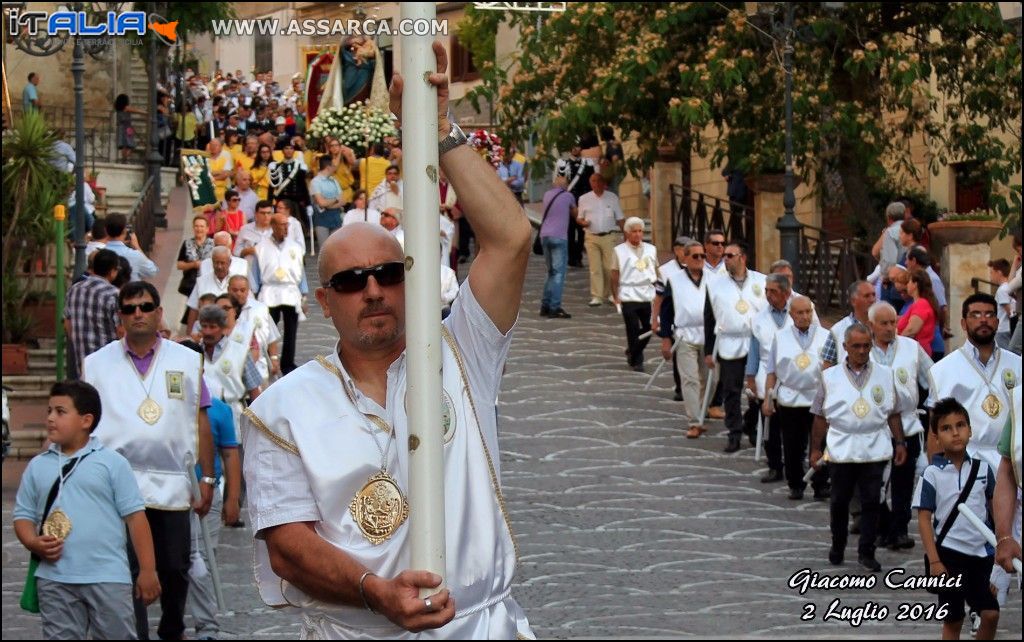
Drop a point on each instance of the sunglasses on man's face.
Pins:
(129, 309)
(697, 256)
(730, 255)
(716, 243)
(354, 280)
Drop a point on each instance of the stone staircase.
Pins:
(33, 388)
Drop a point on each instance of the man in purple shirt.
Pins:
(559, 206)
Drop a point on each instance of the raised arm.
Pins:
(500, 225)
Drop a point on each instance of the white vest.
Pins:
(281, 271)
(160, 455)
(798, 386)
(207, 284)
(718, 271)
(858, 440)
(733, 326)
(688, 303)
(764, 329)
(230, 364)
(258, 316)
(238, 267)
(667, 270)
(636, 274)
(905, 366)
(958, 376)
(339, 461)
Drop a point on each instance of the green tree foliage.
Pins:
(869, 81)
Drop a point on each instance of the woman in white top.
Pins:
(359, 211)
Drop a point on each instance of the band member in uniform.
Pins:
(856, 415)
(793, 378)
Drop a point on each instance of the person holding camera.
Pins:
(123, 242)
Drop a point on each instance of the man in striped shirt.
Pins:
(90, 309)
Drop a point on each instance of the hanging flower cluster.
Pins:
(356, 125)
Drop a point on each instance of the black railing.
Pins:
(100, 132)
(976, 286)
(141, 215)
(829, 264)
(694, 213)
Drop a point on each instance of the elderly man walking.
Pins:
(633, 278)
(600, 214)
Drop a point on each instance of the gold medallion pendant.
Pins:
(379, 508)
(861, 408)
(803, 360)
(57, 524)
(225, 367)
(742, 306)
(280, 274)
(992, 406)
(150, 411)
(641, 264)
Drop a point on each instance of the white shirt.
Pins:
(250, 236)
(1004, 297)
(354, 215)
(239, 267)
(603, 212)
(449, 286)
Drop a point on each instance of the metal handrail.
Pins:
(976, 285)
(141, 215)
(829, 264)
(694, 213)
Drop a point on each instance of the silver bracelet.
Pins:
(362, 592)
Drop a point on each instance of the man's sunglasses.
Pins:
(716, 243)
(354, 280)
(698, 256)
(129, 309)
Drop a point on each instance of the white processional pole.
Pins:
(422, 297)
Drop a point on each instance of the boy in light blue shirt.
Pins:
(83, 579)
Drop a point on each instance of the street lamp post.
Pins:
(788, 225)
(154, 159)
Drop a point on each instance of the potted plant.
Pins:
(977, 226)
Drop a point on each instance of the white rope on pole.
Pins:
(422, 297)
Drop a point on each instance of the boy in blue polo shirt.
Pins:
(83, 580)
(963, 550)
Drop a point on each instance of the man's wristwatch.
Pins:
(212, 481)
(454, 138)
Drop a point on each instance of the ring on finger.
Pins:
(428, 604)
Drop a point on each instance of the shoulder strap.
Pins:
(548, 208)
(975, 465)
(52, 497)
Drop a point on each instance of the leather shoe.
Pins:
(693, 433)
(545, 312)
(900, 542)
(822, 494)
(677, 396)
(559, 314)
(734, 445)
(835, 555)
(796, 493)
(869, 563)
(716, 412)
(594, 302)
(772, 476)
(638, 367)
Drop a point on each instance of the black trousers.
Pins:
(576, 235)
(866, 480)
(750, 418)
(637, 317)
(795, 426)
(172, 546)
(675, 375)
(893, 523)
(773, 427)
(732, 378)
(291, 329)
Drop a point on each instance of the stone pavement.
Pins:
(626, 528)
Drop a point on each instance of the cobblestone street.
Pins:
(626, 528)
